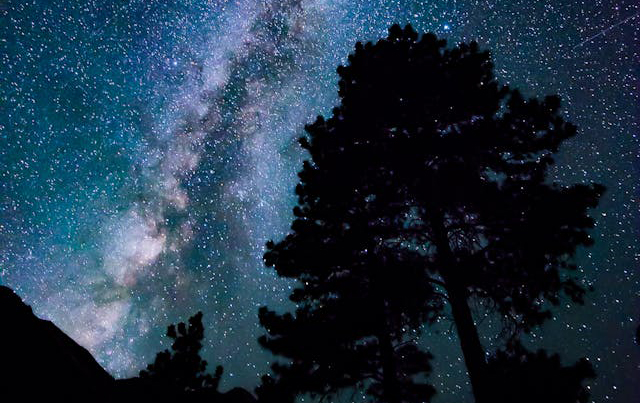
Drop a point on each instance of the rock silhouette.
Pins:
(38, 359)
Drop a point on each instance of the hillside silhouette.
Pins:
(39, 359)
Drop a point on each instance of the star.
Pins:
(136, 190)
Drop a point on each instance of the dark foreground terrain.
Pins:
(39, 362)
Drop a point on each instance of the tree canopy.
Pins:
(425, 190)
(182, 367)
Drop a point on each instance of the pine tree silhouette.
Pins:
(427, 187)
(182, 367)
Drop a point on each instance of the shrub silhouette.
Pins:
(526, 377)
(182, 367)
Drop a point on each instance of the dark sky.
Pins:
(121, 213)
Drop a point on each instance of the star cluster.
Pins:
(148, 150)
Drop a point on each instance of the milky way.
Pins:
(149, 150)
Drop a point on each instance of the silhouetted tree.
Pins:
(428, 175)
(352, 325)
(182, 367)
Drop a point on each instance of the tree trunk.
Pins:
(472, 350)
(390, 390)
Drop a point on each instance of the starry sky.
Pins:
(148, 150)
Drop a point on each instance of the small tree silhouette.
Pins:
(182, 367)
(526, 377)
(427, 187)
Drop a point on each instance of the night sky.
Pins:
(122, 212)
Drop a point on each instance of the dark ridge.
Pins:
(40, 360)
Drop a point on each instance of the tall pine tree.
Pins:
(427, 187)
